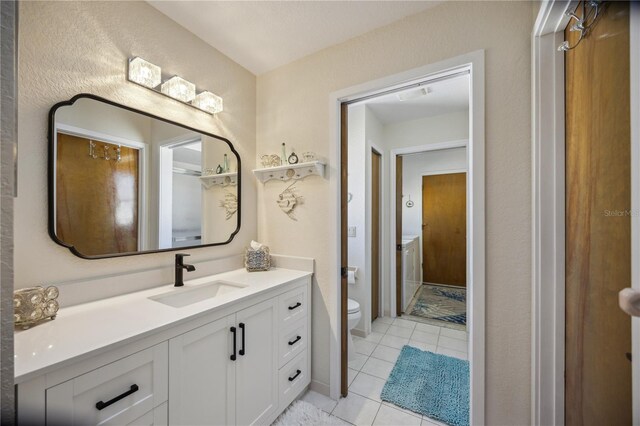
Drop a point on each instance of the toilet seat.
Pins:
(352, 306)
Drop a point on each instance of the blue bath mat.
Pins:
(431, 384)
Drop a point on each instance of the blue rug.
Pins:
(441, 303)
(431, 384)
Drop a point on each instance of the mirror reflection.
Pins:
(125, 182)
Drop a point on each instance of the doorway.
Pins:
(476, 230)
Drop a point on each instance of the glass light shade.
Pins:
(179, 88)
(208, 102)
(144, 73)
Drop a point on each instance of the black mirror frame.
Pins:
(51, 178)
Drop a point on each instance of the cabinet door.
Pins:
(202, 376)
(257, 365)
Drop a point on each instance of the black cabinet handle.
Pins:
(233, 357)
(291, 379)
(291, 308)
(100, 404)
(293, 342)
(241, 325)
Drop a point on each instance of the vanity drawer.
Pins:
(293, 378)
(117, 393)
(159, 416)
(293, 305)
(293, 340)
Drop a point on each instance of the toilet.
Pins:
(353, 317)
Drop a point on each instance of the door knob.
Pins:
(629, 301)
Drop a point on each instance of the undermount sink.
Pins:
(185, 296)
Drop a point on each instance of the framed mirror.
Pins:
(124, 182)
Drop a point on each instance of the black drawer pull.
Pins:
(242, 352)
(293, 342)
(233, 357)
(291, 308)
(100, 405)
(291, 379)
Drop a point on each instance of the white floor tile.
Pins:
(321, 401)
(451, 343)
(399, 331)
(428, 328)
(358, 361)
(422, 346)
(351, 375)
(357, 409)
(426, 421)
(368, 386)
(363, 347)
(404, 323)
(404, 410)
(386, 353)
(377, 367)
(456, 334)
(388, 416)
(379, 327)
(385, 320)
(423, 337)
(451, 352)
(374, 337)
(394, 341)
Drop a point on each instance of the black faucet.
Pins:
(180, 265)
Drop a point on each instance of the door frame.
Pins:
(462, 143)
(381, 223)
(474, 62)
(548, 210)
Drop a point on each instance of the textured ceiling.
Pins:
(263, 35)
(445, 97)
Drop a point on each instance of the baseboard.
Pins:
(359, 333)
(320, 387)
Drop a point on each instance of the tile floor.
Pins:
(374, 360)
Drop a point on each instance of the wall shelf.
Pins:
(222, 179)
(290, 171)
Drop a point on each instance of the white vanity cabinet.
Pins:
(226, 372)
(240, 365)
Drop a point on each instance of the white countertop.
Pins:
(94, 327)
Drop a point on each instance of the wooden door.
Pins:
(96, 199)
(598, 201)
(375, 234)
(344, 248)
(399, 235)
(202, 376)
(444, 228)
(257, 365)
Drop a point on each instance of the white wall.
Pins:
(66, 48)
(293, 105)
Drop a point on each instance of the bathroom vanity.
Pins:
(231, 348)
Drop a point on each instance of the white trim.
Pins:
(474, 61)
(143, 222)
(444, 172)
(392, 196)
(634, 31)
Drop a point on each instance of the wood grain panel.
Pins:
(444, 228)
(399, 235)
(344, 248)
(598, 333)
(375, 234)
(96, 200)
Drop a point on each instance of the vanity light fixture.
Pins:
(208, 101)
(144, 73)
(179, 88)
(149, 75)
